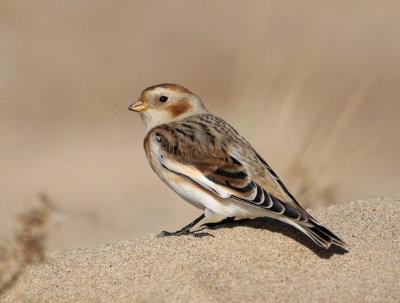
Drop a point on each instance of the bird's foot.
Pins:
(165, 233)
(202, 234)
(183, 232)
(186, 230)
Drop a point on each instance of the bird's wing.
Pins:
(203, 158)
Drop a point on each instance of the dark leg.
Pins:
(186, 230)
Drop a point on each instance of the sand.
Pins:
(259, 261)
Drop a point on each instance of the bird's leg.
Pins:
(186, 230)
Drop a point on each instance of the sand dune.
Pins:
(259, 261)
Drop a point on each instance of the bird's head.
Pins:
(165, 103)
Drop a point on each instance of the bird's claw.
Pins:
(202, 234)
(165, 233)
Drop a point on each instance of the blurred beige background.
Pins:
(313, 85)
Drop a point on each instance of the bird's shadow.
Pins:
(274, 225)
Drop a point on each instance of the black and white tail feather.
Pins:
(295, 216)
(318, 233)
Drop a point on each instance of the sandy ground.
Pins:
(259, 261)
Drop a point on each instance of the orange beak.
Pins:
(138, 106)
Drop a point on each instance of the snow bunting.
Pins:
(210, 165)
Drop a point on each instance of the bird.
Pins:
(210, 165)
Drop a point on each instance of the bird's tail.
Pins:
(318, 233)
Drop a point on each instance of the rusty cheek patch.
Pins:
(178, 108)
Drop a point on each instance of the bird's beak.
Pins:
(138, 106)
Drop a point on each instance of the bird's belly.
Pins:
(190, 193)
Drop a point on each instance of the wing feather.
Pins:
(229, 179)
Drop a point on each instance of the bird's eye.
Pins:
(163, 99)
